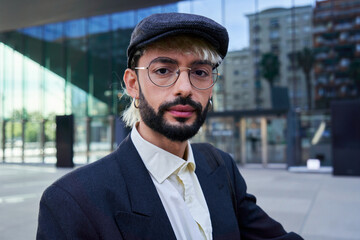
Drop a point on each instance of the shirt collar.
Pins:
(160, 163)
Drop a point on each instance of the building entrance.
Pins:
(253, 140)
(264, 140)
(249, 139)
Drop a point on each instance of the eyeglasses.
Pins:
(164, 72)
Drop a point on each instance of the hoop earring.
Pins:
(211, 104)
(136, 100)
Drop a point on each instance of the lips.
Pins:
(182, 111)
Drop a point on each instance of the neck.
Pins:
(173, 147)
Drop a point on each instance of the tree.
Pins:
(354, 74)
(270, 67)
(305, 59)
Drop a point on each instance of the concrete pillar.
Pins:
(3, 139)
(264, 142)
(111, 120)
(243, 140)
(42, 139)
(88, 138)
(23, 129)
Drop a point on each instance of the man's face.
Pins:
(178, 111)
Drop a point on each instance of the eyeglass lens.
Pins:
(164, 72)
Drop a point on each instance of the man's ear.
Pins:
(131, 83)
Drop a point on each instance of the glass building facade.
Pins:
(73, 67)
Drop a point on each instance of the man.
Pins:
(156, 185)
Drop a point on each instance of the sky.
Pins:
(235, 19)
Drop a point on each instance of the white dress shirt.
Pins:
(178, 187)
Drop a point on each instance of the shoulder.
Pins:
(95, 178)
(104, 169)
(206, 150)
(93, 175)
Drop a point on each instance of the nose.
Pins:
(183, 86)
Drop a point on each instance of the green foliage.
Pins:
(17, 115)
(33, 124)
(305, 59)
(32, 132)
(270, 67)
(13, 129)
(50, 131)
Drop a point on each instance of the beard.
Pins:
(157, 122)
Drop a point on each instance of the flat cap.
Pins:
(158, 26)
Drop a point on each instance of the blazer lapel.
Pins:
(148, 218)
(213, 183)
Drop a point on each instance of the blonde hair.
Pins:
(187, 44)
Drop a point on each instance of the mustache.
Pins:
(181, 101)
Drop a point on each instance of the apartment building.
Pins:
(337, 49)
(237, 82)
(281, 31)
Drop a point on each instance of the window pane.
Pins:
(145, 12)
(76, 69)
(100, 65)
(123, 20)
(8, 83)
(54, 71)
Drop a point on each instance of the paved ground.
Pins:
(318, 206)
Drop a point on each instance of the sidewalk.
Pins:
(317, 206)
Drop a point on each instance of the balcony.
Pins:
(321, 56)
(343, 26)
(322, 80)
(320, 29)
(326, 55)
(355, 38)
(320, 41)
(342, 81)
(330, 69)
(320, 16)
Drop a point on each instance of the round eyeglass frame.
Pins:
(216, 73)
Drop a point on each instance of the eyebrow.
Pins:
(164, 60)
(170, 60)
(203, 62)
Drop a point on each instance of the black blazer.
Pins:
(115, 198)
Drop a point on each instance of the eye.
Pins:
(200, 72)
(162, 71)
